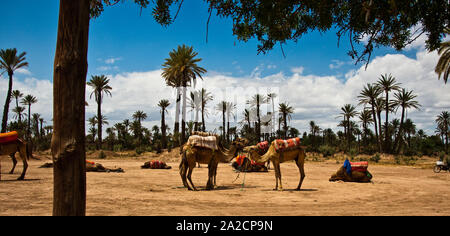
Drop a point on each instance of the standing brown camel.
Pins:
(297, 154)
(194, 154)
(9, 149)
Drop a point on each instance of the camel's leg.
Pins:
(300, 164)
(276, 166)
(279, 176)
(14, 160)
(268, 164)
(191, 168)
(183, 167)
(212, 170)
(23, 156)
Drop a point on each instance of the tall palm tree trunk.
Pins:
(203, 118)
(176, 128)
(183, 116)
(69, 90)
(376, 126)
(8, 100)
(285, 125)
(386, 134)
(397, 143)
(223, 124)
(163, 129)
(99, 120)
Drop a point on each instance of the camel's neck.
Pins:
(229, 154)
(266, 156)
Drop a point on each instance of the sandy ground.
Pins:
(396, 190)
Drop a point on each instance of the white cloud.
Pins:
(317, 98)
(336, 64)
(298, 70)
(112, 60)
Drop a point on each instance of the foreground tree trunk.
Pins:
(69, 85)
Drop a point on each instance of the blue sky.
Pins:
(141, 44)
(316, 77)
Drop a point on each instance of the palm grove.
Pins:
(283, 21)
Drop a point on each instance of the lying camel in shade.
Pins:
(355, 176)
(90, 167)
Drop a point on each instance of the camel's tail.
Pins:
(183, 162)
(27, 149)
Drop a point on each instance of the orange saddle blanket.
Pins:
(8, 137)
(289, 144)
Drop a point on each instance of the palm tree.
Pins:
(182, 64)
(222, 107)
(10, 62)
(348, 112)
(163, 104)
(36, 117)
(387, 83)
(28, 101)
(443, 121)
(271, 97)
(286, 110)
(368, 95)
(195, 103)
(256, 102)
(136, 126)
(404, 99)
(443, 65)
(366, 119)
(17, 95)
(409, 128)
(230, 107)
(139, 116)
(100, 86)
(205, 97)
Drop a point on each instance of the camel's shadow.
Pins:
(16, 180)
(292, 190)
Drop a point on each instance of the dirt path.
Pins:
(396, 190)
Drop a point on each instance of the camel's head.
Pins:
(240, 143)
(253, 152)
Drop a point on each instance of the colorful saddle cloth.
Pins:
(285, 145)
(262, 147)
(206, 142)
(8, 137)
(355, 166)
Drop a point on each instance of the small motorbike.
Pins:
(441, 166)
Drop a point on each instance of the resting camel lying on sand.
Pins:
(155, 165)
(91, 167)
(356, 176)
(9, 149)
(297, 154)
(194, 154)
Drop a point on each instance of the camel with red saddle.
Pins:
(281, 151)
(9, 145)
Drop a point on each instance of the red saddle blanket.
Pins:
(8, 137)
(263, 145)
(283, 145)
(359, 166)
